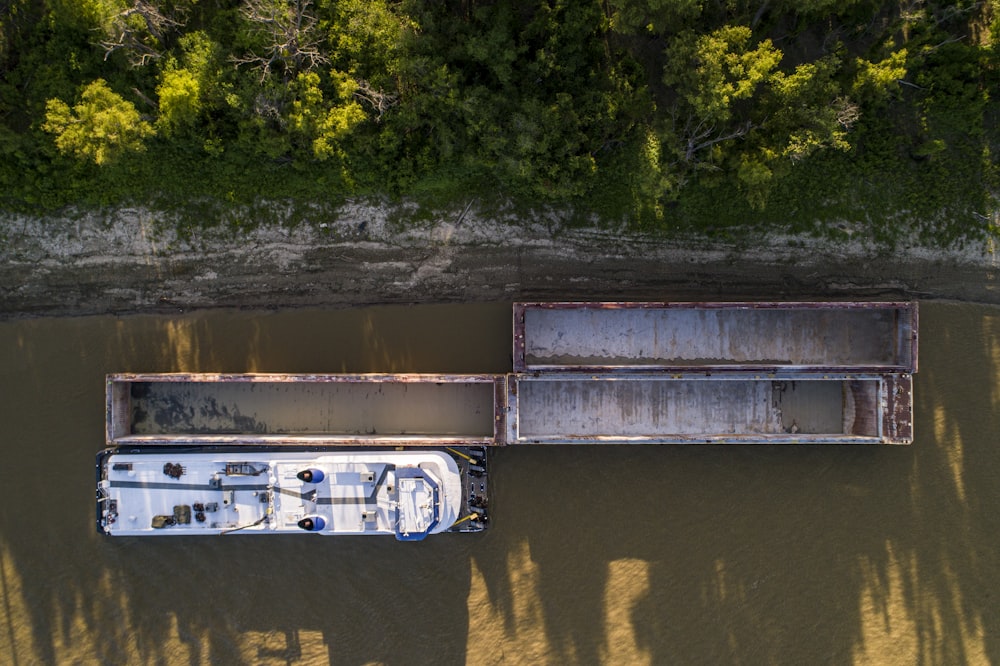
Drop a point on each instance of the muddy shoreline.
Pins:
(130, 261)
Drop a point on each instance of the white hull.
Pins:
(408, 494)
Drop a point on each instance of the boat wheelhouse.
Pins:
(164, 491)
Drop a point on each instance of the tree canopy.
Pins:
(665, 114)
(101, 126)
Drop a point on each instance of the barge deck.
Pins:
(285, 409)
(688, 409)
(623, 337)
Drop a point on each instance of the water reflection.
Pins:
(597, 555)
(628, 585)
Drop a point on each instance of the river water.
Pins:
(655, 554)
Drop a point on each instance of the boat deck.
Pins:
(159, 491)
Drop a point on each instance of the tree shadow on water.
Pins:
(70, 595)
(785, 554)
(819, 554)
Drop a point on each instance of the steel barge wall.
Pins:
(877, 338)
(305, 410)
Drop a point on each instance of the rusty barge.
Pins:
(808, 337)
(387, 410)
(789, 372)
(582, 373)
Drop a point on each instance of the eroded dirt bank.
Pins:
(129, 261)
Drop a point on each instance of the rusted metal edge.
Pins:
(510, 412)
(119, 407)
(518, 333)
(699, 439)
(715, 305)
(686, 373)
(712, 370)
(398, 378)
(500, 411)
(388, 441)
(897, 414)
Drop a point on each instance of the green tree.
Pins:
(139, 28)
(190, 84)
(323, 124)
(876, 80)
(180, 100)
(368, 41)
(653, 16)
(806, 110)
(730, 89)
(100, 127)
(713, 71)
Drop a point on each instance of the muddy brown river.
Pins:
(606, 554)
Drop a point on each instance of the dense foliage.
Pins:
(670, 114)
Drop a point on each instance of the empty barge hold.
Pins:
(565, 408)
(876, 338)
(305, 410)
(164, 491)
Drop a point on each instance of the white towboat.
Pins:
(157, 491)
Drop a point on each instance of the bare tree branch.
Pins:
(847, 111)
(290, 41)
(736, 133)
(140, 31)
(269, 106)
(380, 100)
(703, 136)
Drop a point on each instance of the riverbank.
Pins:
(132, 260)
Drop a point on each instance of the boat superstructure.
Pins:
(163, 491)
